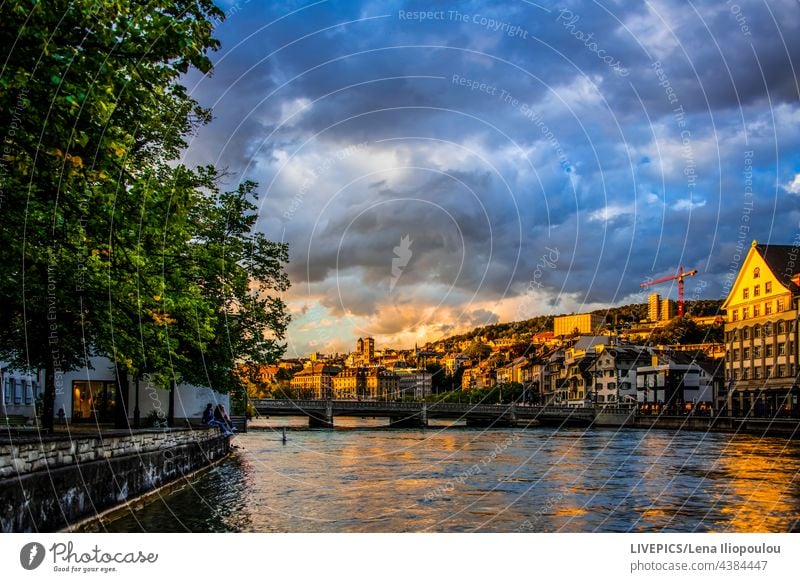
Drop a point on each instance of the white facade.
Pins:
(88, 395)
(19, 391)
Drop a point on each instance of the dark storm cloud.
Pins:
(486, 147)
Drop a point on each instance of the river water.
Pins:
(371, 479)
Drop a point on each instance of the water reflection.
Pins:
(541, 480)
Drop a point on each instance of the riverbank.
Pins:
(49, 482)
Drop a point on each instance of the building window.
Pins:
(756, 331)
(780, 305)
(769, 372)
(745, 312)
(756, 351)
(735, 315)
(745, 293)
(28, 392)
(756, 290)
(757, 372)
(781, 327)
(736, 335)
(736, 353)
(746, 333)
(8, 396)
(781, 349)
(768, 308)
(768, 350)
(768, 287)
(736, 374)
(756, 311)
(781, 371)
(745, 373)
(17, 388)
(756, 274)
(746, 353)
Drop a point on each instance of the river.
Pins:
(370, 479)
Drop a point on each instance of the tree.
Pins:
(238, 271)
(95, 117)
(439, 381)
(477, 349)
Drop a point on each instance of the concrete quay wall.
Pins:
(57, 481)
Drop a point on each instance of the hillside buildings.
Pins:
(580, 324)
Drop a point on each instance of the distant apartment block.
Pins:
(660, 309)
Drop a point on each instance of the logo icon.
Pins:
(400, 260)
(32, 555)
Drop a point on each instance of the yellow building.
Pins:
(653, 307)
(667, 311)
(382, 384)
(761, 333)
(583, 323)
(350, 384)
(315, 381)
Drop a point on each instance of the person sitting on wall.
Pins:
(221, 416)
(210, 419)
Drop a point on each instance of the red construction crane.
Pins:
(680, 277)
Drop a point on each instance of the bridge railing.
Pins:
(312, 405)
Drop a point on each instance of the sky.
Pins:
(436, 166)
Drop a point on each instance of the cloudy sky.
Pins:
(489, 161)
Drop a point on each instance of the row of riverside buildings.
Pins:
(364, 377)
(754, 372)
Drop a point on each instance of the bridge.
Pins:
(321, 413)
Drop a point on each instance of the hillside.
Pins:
(626, 314)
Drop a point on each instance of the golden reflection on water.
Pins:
(762, 476)
(495, 480)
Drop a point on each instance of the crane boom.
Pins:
(679, 276)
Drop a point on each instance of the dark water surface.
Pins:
(454, 480)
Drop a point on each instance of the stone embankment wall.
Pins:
(50, 482)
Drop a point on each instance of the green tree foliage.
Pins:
(682, 330)
(111, 247)
(478, 350)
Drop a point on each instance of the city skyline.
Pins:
(435, 171)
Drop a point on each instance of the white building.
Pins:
(614, 373)
(20, 390)
(415, 383)
(90, 395)
(674, 381)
